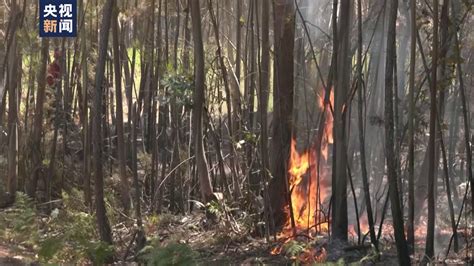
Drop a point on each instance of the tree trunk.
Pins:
(411, 133)
(223, 69)
(363, 165)
(236, 103)
(141, 238)
(263, 108)
(467, 138)
(12, 81)
(429, 247)
(35, 138)
(85, 120)
(119, 114)
(397, 214)
(284, 34)
(198, 104)
(102, 221)
(341, 88)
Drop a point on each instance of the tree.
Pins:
(227, 88)
(86, 140)
(363, 165)
(235, 97)
(467, 139)
(397, 215)
(263, 103)
(119, 113)
(35, 137)
(12, 80)
(429, 248)
(284, 34)
(97, 108)
(198, 103)
(411, 132)
(341, 87)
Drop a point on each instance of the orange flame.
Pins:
(328, 134)
(306, 190)
(305, 187)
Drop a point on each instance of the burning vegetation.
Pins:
(308, 179)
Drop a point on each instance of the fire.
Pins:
(328, 134)
(307, 191)
(313, 255)
(304, 180)
(306, 194)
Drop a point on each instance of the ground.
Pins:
(225, 241)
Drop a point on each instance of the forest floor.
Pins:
(220, 243)
(10, 255)
(68, 235)
(217, 244)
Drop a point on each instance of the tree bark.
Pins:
(284, 34)
(341, 88)
(13, 68)
(85, 117)
(124, 184)
(236, 101)
(467, 138)
(35, 138)
(198, 104)
(429, 247)
(397, 214)
(97, 111)
(223, 69)
(363, 165)
(411, 133)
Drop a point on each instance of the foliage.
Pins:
(171, 254)
(67, 235)
(293, 248)
(180, 88)
(17, 224)
(71, 234)
(214, 207)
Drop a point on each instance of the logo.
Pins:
(58, 18)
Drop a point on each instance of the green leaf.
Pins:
(171, 254)
(99, 252)
(49, 248)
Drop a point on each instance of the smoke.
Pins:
(317, 15)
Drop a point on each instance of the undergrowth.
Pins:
(68, 234)
(170, 254)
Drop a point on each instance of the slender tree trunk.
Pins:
(199, 102)
(411, 132)
(119, 114)
(341, 88)
(35, 138)
(283, 91)
(397, 214)
(452, 140)
(263, 108)
(85, 121)
(175, 110)
(102, 221)
(13, 68)
(448, 189)
(429, 247)
(363, 165)
(58, 117)
(236, 101)
(223, 68)
(141, 239)
(187, 38)
(444, 76)
(467, 138)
